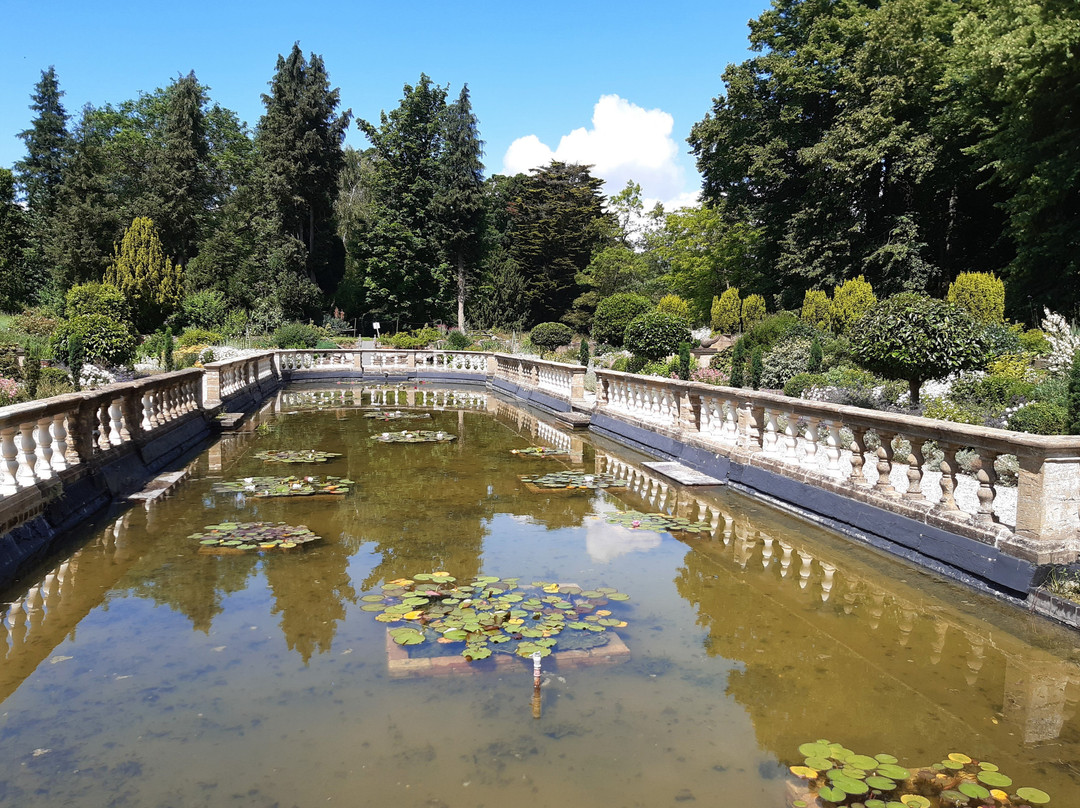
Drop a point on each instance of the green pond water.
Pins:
(140, 671)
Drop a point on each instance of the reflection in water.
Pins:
(745, 642)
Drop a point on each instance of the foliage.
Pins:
(1040, 418)
(457, 341)
(207, 308)
(1001, 340)
(14, 246)
(32, 373)
(54, 382)
(76, 356)
(684, 360)
(102, 340)
(991, 390)
(1073, 422)
(655, 335)
(614, 314)
(9, 391)
(980, 294)
(817, 357)
(851, 300)
(738, 365)
(97, 298)
(775, 328)
(753, 311)
(199, 336)
(784, 360)
(801, 382)
(673, 304)
(412, 340)
(296, 335)
(1063, 341)
(168, 360)
(549, 336)
(145, 275)
(1034, 341)
(34, 322)
(816, 308)
(916, 338)
(757, 367)
(711, 376)
(726, 314)
(583, 353)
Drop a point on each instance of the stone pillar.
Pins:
(1048, 496)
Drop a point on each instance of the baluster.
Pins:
(9, 462)
(148, 410)
(947, 504)
(858, 456)
(27, 471)
(832, 443)
(730, 415)
(122, 415)
(810, 441)
(785, 558)
(884, 465)
(827, 581)
(45, 448)
(791, 437)
(60, 447)
(987, 476)
(915, 461)
(771, 436)
(804, 571)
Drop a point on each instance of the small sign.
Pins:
(375, 325)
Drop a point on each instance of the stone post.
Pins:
(1048, 489)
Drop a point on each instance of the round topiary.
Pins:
(296, 335)
(549, 336)
(614, 314)
(655, 335)
(103, 339)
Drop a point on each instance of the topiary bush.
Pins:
(851, 300)
(815, 308)
(614, 313)
(457, 341)
(97, 298)
(801, 382)
(726, 314)
(103, 339)
(757, 367)
(656, 335)
(200, 336)
(738, 364)
(583, 353)
(785, 360)
(753, 311)
(684, 360)
(980, 294)
(1040, 418)
(673, 304)
(295, 335)
(917, 338)
(549, 336)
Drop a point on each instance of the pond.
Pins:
(146, 669)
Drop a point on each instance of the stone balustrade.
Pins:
(909, 465)
(40, 441)
(563, 382)
(231, 377)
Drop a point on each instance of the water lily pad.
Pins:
(893, 772)
(397, 415)
(883, 758)
(415, 436)
(974, 790)
(994, 779)
(234, 536)
(914, 801)
(862, 762)
(832, 794)
(296, 456)
(954, 797)
(959, 757)
(657, 522)
(814, 750)
(539, 451)
(879, 783)
(805, 772)
(1033, 795)
(572, 480)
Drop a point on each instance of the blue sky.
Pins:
(537, 73)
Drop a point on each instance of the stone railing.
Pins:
(41, 440)
(565, 382)
(909, 465)
(226, 379)
(382, 361)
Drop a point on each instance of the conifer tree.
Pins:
(13, 287)
(47, 142)
(460, 201)
(142, 271)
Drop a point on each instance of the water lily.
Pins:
(636, 523)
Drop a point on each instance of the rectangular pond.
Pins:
(147, 669)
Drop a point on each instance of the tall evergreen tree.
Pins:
(181, 170)
(460, 201)
(40, 173)
(299, 142)
(146, 275)
(13, 240)
(399, 252)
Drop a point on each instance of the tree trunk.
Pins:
(913, 387)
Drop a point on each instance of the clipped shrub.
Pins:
(726, 315)
(295, 335)
(103, 339)
(801, 382)
(945, 409)
(1040, 418)
(75, 358)
(549, 336)
(32, 372)
(753, 311)
(199, 336)
(97, 298)
(917, 338)
(457, 341)
(980, 294)
(684, 360)
(851, 300)
(786, 359)
(655, 335)
(1015, 366)
(815, 308)
(738, 364)
(673, 304)
(614, 313)
(583, 353)
(991, 390)
(168, 361)
(817, 356)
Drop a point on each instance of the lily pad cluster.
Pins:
(253, 537)
(659, 522)
(573, 479)
(395, 415)
(285, 486)
(835, 775)
(539, 451)
(415, 436)
(296, 456)
(490, 614)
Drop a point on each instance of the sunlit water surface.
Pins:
(143, 672)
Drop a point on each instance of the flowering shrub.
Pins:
(709, 376)
(1063, 342)
(9, 389)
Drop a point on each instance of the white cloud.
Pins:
(626, 142)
